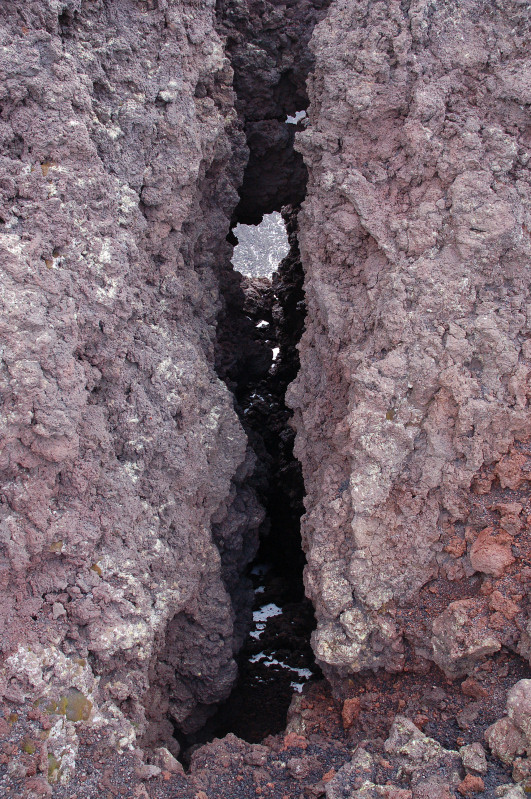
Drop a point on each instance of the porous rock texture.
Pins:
(119, 448)
(411, 405)
(126, 512)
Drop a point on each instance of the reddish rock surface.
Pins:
(126, 514)
(119, 445)
(413, 389)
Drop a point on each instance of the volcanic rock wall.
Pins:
(118, 443)
(415, 360)
(126, 518)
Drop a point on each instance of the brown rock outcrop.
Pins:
(415, 360)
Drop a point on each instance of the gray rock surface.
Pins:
(415, 360)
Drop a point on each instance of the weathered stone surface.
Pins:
(431, 770)
(519, 708)
(267, 42)
(118, 441)
(505, 740)
(461, 636)
(510, 736)
(491, 554)
(474, 758)
(414, 363)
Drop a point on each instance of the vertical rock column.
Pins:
(121, 155)
(415, 360)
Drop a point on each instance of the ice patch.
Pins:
(260, 589)
(262, 324)
(276, 350)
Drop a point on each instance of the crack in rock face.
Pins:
(141, 468)
(127, 515)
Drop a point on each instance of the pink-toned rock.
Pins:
(491, 554)
(505, 741)
(411, 210)
(470, 785)
(119, 446)
(462, 637)
(509, 470)
(474, 759)
(503, 605)
(350, 712)
(519, 708)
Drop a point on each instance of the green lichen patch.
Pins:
(28, 746)
(77, 706)
(73, 705)
(54, 768)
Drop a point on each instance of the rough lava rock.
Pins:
(119, 446)
(267, 42)
(509, 738)
(415, 361)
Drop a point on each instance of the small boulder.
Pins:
(522, 769)
(519, 707)
(504, 740)
(510, 470)
(462, 636)
(491, 554)
(474, 758)
(471, 785)
(350, 712)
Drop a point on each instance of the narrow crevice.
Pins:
(267, 43)
(276, 658)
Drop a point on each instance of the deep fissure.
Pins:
(258, 330)
(276, 658)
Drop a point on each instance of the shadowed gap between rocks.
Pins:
(267, 43)
(276, 658)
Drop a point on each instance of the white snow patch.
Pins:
(276, 350)
(262, 324)
(261, 616)
(297, 118)
(269, 660)
(262, 247)
(266, 612)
